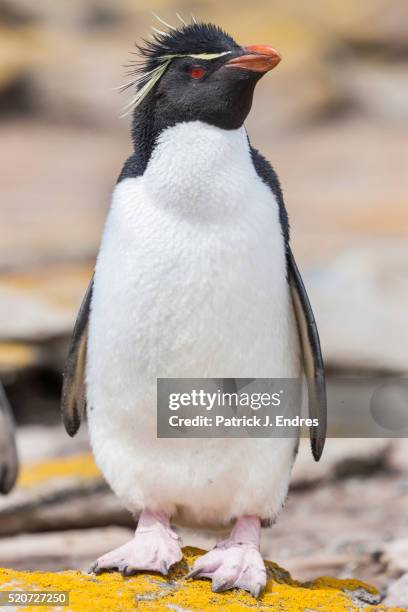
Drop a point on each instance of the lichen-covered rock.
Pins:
(112, 593)
(79, 467)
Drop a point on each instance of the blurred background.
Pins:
(333, 120)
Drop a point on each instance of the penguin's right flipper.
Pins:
(73, 401)
(8, 451)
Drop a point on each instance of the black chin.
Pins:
(236, 99)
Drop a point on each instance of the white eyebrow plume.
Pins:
(179, 17)
(147, 80)
(168, 25)
(158, 31)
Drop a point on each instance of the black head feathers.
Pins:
(200, 40)
(195, 38)
(194, 73)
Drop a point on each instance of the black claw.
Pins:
(192, 573)
(94, 568)
(127, 571)
(257, 590)
(163, 568)
(219, 588)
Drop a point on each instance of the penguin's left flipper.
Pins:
(309, 337)
(8, 451)
(73, 401)
(312, 356)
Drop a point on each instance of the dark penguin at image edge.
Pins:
(195, 278)
(8, 450)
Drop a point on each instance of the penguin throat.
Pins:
(193, 168)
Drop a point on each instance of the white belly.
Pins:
(190, 282)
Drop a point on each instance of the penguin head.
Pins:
(198, 73)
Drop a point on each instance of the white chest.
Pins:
(190, 279)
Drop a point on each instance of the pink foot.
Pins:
(236, 561)
(155, 547)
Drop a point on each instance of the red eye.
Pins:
(196, 72)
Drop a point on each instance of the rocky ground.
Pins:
(332, 119)
(112, 593)
(346, 518)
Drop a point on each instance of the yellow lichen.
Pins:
(112, 593)
(79, 466)
(17, 355)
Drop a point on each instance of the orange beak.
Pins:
(258, 58)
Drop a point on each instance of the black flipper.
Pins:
(73, 402)
(309, 337)
(8, 451)
(312, 356)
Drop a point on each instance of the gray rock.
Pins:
(380, 91)
(398, 593)
(60, 550)
(395, 556)
(362, 596)
(61, 504)
(360, 299)
(31, 315)
(341, 458)
(59, 486)
(41, 442)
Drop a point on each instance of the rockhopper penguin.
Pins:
(194, 278)
(8, 451)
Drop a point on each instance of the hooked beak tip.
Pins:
(256, 58)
